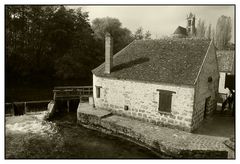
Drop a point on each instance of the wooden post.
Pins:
(25, 107)
(68, 106)
(12, 111)
(80, 96)
(54, 96)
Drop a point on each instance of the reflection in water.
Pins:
(29, 137)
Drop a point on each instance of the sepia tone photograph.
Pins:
(119, 81)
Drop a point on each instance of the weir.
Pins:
(65, 98)
(68, 96)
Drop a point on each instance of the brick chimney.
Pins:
(108, 53)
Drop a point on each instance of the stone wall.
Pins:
(142, 100)
(165, 142)
(205, 89)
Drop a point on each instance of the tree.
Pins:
(74, 44)
(24, 32)
(201, 29)
(139, 34)
(223, 32)
(209, 32)
(48, 41)
(213, 34)
(121, 36)
(147, 35)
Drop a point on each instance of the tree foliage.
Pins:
(56, 43)
(27, 51)
(147, 35)
(201, 29)
(223, 32)
(121, 36)
(139, 34)
(209, 32)
(49, 42)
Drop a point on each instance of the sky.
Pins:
(159, 20)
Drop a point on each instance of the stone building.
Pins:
(169, 82)
(189, 31)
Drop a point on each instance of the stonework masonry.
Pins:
(141, 101)
(205, 89)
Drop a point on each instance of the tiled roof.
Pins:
(225, 61)
(175, 61)
(181, 30)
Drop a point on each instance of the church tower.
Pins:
(191, 29)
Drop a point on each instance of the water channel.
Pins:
(29, 137)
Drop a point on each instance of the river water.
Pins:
(29, 137)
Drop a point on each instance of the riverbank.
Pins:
(168, 143)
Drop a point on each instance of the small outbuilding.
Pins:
(170, 82)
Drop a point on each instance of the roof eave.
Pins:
(150, 82)
(209, 46)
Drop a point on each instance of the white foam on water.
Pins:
(33, 126)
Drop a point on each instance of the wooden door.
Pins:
(207, 106)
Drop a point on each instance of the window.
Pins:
(230, 82)
(210, 84)
(98, 91)
(210, 79)
(165, 101)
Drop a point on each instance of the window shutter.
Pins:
(161, 102)
(165, 101)
(168, 102)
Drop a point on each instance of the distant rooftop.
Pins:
(171, 60)
(181, 31)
